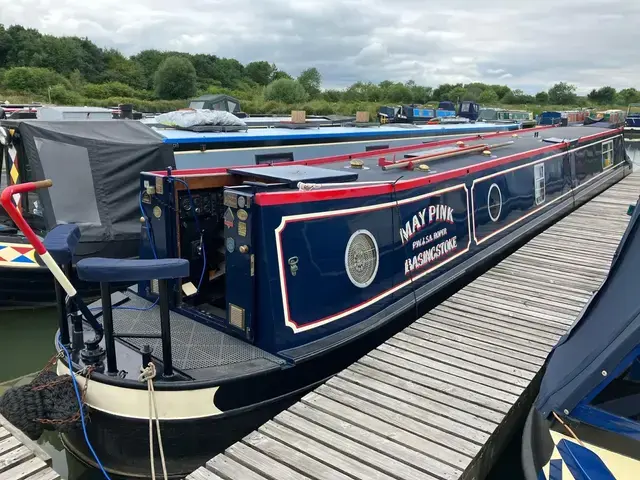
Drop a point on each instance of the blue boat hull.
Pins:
(311, 299)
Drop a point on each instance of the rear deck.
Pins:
(440, 399)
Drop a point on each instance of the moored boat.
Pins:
(23, 281)
(503, 115)
(563, 117)
(96, 164)
(240, 302)
(236, 142)
(632, 120)
(585, 421)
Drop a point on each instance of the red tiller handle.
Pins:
(6, 201)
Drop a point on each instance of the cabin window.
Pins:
(494, 202)
(371, 148)
(538, 181)
(82, 206)
(274, 158)
(607, 154)
(621, 397)
(197, 105)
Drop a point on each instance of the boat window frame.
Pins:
(373, 148)
(585, 411)
(270, 158)
(607, 149)
(539, 183)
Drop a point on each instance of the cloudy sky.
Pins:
(527, 44)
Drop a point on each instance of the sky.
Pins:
(524, 44)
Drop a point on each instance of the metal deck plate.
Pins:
(194, 345)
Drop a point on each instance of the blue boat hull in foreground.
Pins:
(585, 422)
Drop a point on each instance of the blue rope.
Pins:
(153, 247)
(155, 255)
(193, 209)
(79, 398)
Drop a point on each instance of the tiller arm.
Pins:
(16, 216)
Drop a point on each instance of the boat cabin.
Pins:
(273, 291)
(222, 102)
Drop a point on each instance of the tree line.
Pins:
(75, 71)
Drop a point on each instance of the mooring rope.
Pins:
(147, 375)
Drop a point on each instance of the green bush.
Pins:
(33, 80)
(63, 96)
(175, 78)
(286, 91)
(110, 89)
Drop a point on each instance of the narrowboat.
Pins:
(9, 109)
(585, 421)
(287, 141)
(129, 147)
(99, 161)
(256, 283)
(632, 120)
(502, 115)
(612, 116)
(564, 117)
(445, 112)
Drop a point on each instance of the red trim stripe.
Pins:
(296, 196)
(341, 158)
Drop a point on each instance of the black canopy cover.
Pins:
(95, 168)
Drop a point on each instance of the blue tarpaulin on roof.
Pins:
(607, 330)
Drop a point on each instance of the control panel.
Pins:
(240, 258)
(201, 237)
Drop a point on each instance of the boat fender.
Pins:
(48, 402)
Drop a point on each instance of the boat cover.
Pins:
(95, 168)
(606, 331)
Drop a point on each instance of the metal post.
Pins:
(107, 323)
(63, 321)
(78, 332)
(165, 327)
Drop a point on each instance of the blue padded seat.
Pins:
(61, 242)
(131, 270)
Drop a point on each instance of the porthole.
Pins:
(361, 258)
(494, 202)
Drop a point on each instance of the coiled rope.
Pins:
(48, 402)
(147, 375)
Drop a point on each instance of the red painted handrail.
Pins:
(7, 203)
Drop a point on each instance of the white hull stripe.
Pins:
(134, 403)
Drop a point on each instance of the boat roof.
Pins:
(607, 331)
(177, 136)
(374, 167)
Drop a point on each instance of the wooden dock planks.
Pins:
(430, 402)
(21, 458)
